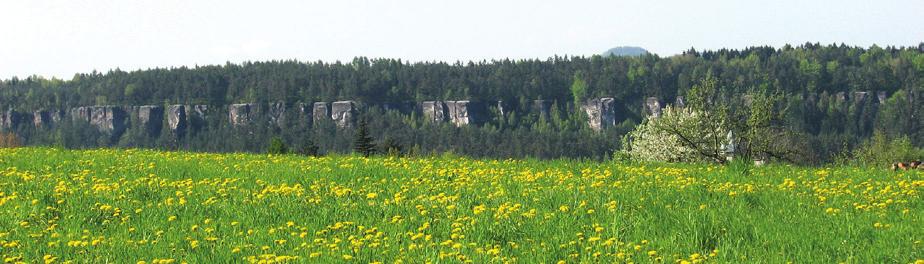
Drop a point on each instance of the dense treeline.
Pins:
(809, 76)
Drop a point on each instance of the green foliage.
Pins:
(578, 88)
(392, 147)
(277, 146)
(362, 141)
(232, 208)
(881, 151)
(811, 73)
(309, 148)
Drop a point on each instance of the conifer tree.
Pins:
(362, 142)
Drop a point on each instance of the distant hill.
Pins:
(625, 51)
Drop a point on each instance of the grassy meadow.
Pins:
(139, 206)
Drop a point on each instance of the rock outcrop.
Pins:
(304, 113)
(860, 97)
(881, 95)
(109, 119)
(680, 102)
(434, 111)
(197, 111)
(321, 111)
(240, 114)
(80, 114)
(653, 107)
(343, 113)
(601, 113)
(176, 119)
(45, 118)
(150, 118)
(463, 112)
(501, 110)
(277, 114)
(9, 119)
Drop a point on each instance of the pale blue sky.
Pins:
(63, 37)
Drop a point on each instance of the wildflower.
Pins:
(478, 209)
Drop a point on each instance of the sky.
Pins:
(58, 38)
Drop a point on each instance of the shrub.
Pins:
(881, 151)
(277, 146)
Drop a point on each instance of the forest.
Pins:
(836, 96)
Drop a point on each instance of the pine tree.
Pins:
(362, 142)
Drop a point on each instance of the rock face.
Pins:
(601, 113)
(109, 119)
(881, 95)
(9, 119)
(463, 113)
(43, 118)
(150, 118)
(176, 119)
(304, 113)
(197, 111)
(80, 114)
(434, 111)
(860, 97)
(343, 113)
(321, 111)
(240, 114)
(543, 108)
(680, 102)
(653, 107)
(501, 110)
(277, 114)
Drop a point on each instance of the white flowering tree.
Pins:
(710, 130)
(679, 135)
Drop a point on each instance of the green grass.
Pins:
(135, 205)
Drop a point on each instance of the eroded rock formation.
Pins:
(601, 113)
(150, 118)
(860, 97)
(109, 119)
(434, 111)
(277, 113)
(321, 111)
(176, 119)
(9, 119)
(240, 114)
(46, 118)
(653, 107)
(464, 112)
(304, 113)
(343, 113)
(680, 101)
